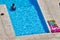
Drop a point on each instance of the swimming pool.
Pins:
(27, 19)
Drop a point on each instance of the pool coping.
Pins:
(9, 33)
(6, 23)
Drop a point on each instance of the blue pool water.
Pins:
(27, 18)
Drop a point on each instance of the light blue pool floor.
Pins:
(25, 18)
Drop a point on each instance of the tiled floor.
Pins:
(7, 33)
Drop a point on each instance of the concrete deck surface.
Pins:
(50, 10)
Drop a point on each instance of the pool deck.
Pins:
(50, 10)
(6, 30)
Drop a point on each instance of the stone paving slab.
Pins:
(6, 26)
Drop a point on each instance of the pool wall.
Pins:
(41, 17)
(44, 9)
